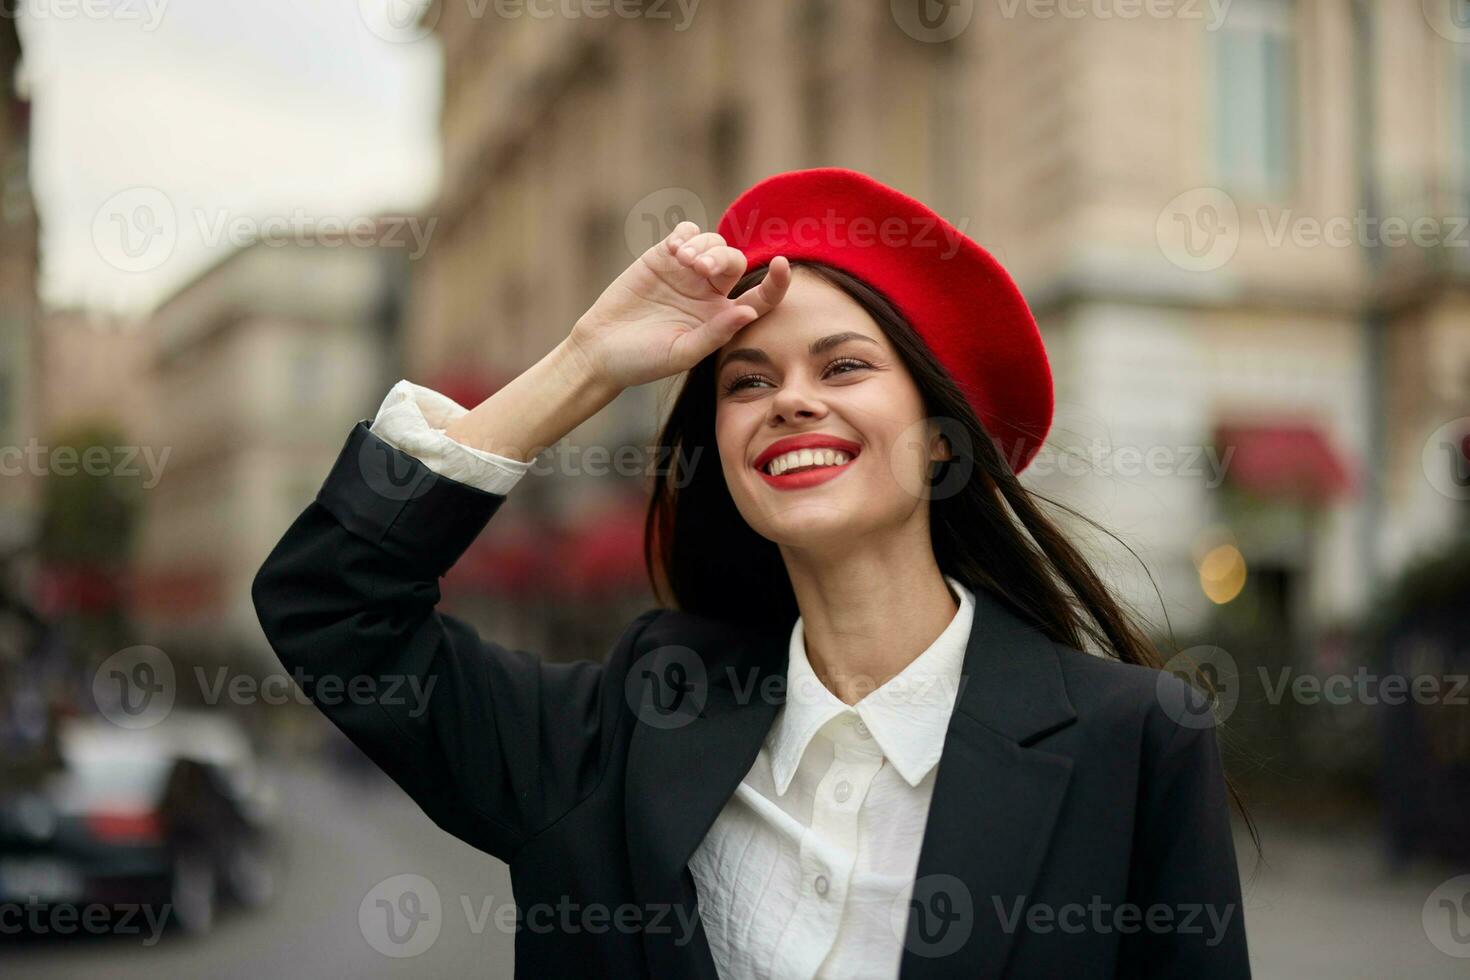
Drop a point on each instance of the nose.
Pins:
(795, 401)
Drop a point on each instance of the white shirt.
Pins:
(808, 868)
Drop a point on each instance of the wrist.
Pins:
(581, 372)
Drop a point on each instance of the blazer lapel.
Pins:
(995, 802)
(709, 697)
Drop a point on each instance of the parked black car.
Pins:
(174, 816)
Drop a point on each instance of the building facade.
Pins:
(1248, 354)
(262, 364)
(18, 256)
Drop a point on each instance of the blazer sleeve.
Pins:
(494, 744)
(1184, 870)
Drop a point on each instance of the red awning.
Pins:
(1289, 461)
(602, 553)
(599, 554)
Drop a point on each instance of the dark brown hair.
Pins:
(987, 530)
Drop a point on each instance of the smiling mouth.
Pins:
(806, 461)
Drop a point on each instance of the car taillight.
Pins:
(134, 826)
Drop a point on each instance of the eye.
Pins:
(852, 362)
(842, 362)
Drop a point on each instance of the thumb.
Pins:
(710, 337)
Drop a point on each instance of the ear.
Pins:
(939, 447)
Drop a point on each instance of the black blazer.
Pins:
(1076, 829)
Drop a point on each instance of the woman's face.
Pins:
(854, 393)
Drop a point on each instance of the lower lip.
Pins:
(806, 478)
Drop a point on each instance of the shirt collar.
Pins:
(908, 715)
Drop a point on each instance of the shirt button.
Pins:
(862, 730)
(821, 884)
(842, 791)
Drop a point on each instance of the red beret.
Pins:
(956, 295)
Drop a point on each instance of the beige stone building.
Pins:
(262, 364)
(1193, 205)
(18, 237)
(92, 367)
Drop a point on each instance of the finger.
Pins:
(711, 336)
(680, 234)
(660, 255)
(690, 252)
(772, 289)
(723, 265)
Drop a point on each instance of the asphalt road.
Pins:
(1323, 906)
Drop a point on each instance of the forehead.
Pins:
(811, 308)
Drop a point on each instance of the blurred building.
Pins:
(1152, 182)
(18, 237)
(91, 368)
(262, 365)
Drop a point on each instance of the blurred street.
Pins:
(345, 835)
(1323, 906)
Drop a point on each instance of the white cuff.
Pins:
(413, 418)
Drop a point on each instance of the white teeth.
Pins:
(806, 457)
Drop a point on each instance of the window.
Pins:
(1255, 97)
(1463, 87)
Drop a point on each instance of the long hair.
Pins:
(987, 530)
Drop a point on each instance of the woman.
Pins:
(866, 740)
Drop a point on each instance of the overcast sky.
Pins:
(159, 125)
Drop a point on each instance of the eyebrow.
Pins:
(755, 355)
